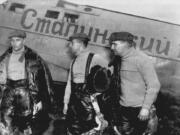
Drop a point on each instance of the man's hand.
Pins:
(116, 130)
(37, 108)
(65, 109)
(144, 114)
(4, 130)
(2, 126)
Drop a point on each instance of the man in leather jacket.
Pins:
(27, 88)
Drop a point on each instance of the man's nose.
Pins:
(68, 44)
(13, 42)
(112, 47)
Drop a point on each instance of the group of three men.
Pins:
(129, 89)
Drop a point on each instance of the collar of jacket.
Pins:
(29, 54)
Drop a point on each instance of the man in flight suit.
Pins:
(77, 102)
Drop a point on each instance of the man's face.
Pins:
(17, 43)
(74, 47)
(119, 47)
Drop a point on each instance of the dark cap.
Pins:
(81, 36)
(124, 36)
(17, 33)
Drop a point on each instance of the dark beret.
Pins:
(124, 36)
(17, 33)
(81, 36)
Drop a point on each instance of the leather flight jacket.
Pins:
(19, 96)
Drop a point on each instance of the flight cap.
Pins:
(81, 36)
(123, 36)
(17, 33)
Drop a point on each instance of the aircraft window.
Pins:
(52, 14)
(71, 18)
(16, 7)
(87, 9)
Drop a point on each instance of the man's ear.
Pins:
(24, 40)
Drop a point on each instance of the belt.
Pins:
(16, 83)
(79, 87)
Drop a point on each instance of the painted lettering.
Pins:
(82, 29)
(165, 50)
(142, 42)
(71, 26)
(149, 47)
(135, 38)
(41, 23)
(24, 16)
(90, 32)
(104, 35)
(57, 28)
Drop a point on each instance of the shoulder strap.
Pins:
(71, 68)
(88, 63)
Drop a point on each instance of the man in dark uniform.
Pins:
(138, 83)
(27, 94)
(79, 103)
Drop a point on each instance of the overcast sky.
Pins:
(165, 10)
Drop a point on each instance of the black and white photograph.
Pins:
(89, 67)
